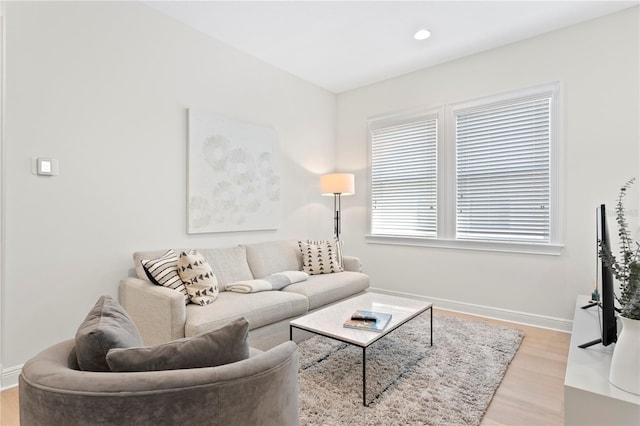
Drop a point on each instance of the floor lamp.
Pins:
(337, 184)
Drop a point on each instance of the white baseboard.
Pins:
(559, 324)
(10, 377)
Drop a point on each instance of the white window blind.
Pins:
(404, 177)
(503, 170)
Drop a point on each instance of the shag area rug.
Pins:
(408, 381)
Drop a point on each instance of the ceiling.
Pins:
(342, 45)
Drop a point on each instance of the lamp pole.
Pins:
(336, 207)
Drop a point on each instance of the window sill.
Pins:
(527, 248)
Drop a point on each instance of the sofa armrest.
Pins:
(351, 263)
(158, 312)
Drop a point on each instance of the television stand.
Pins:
(589, 398)
(590, 305)
(587, 306)
(598, 303)
(591, 343)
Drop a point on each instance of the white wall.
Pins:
(597, 65)
(103, 88)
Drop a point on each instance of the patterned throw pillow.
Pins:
(335, 243)
(321, 257)
(198, 278)
(164, 271)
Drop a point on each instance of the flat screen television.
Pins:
(604, 277)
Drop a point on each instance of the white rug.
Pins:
(408, 381)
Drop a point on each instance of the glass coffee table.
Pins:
(329, 322)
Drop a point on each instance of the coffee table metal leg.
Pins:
(364, 376)
(364, 348)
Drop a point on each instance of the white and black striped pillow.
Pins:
(164, 271)
(321, 257)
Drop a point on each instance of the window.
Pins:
(496, 187)
(404, 176)
(502, 170)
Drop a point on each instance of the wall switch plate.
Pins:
(44, 166)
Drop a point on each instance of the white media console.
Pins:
(589, 398)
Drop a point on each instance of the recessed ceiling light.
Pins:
(422, 34)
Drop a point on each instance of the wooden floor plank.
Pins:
(9, 408)
(531, 393)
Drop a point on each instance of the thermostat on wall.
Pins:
(45, 166)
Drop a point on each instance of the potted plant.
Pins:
(625, 368)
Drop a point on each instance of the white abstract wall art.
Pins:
(233, 175)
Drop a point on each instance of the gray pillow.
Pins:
(106, 326)
(209, 349)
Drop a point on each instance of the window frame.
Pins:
(395, 120)
(446, 176)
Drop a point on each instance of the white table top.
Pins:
(329, 321)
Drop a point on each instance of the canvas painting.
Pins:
(233, 175)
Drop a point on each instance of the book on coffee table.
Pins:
(368, 320)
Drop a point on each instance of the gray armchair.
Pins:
(260, 390)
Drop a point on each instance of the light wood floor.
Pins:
(530, 394)
(532, 391)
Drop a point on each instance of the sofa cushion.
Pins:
(228, 264)
(198, 278)
(328, 288)
(259, 309)
(273, 256)
(107, 326)
(320, 257)
(223, 346)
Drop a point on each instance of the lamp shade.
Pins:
(337, 183)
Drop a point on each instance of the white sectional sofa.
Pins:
(161, 315)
